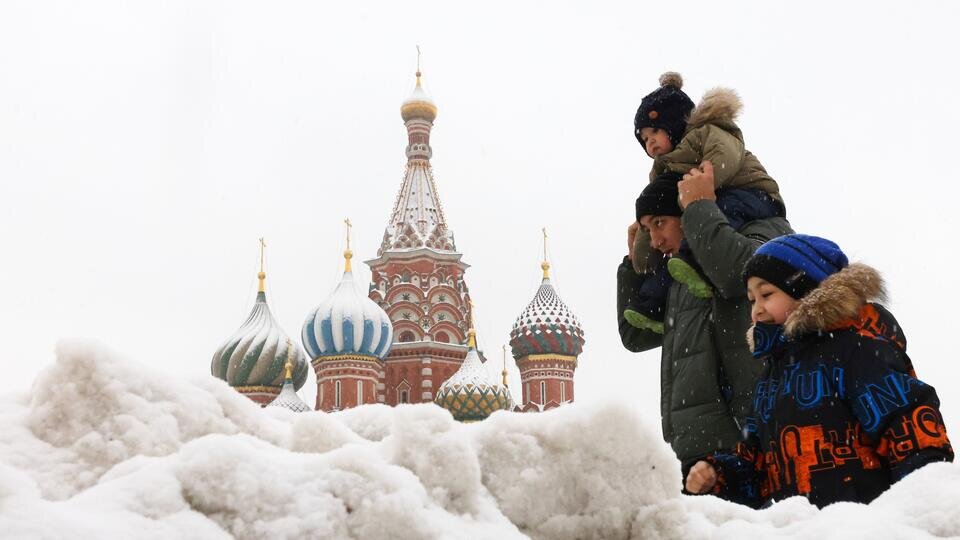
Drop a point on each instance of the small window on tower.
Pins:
(404, 397)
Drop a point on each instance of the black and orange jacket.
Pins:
(838, 412)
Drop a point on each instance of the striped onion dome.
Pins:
(546, 326)
(256, 353)
(288, 397)
(347, 323)
(469, 394)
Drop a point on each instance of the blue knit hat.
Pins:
(796, 263)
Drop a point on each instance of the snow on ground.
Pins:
(104, 447)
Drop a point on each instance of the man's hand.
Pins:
(631, 237)
(697, 185)
(701, 478)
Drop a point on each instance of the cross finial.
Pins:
(289, 364)
(545, 265)
(471, 333)
(347, 254)
(504, 372)
(262, 275)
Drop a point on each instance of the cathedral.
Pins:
(410, 339)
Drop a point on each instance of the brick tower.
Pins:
(546, 340)
(417, 277)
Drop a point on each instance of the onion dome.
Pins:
(546, 326)
(469, 394)
(288, 397)
(418, 105)
(347, 323)
(252, 360)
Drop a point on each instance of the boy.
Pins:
(838, 413)
(745, 192)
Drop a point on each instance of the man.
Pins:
(707, 374)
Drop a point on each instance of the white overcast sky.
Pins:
(145, 146)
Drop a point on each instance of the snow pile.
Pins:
(103, 447)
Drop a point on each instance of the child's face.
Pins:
(770, 304)
(655, 141)
(666, 234)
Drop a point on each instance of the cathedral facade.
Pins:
(409, 338)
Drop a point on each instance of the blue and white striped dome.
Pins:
(347, 322)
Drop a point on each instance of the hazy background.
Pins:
(145, 146)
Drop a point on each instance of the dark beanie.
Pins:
(666, 108)
(659, 198)
(796, 263)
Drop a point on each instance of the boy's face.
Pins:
(655, 141)
(770, 304)
(666, 234)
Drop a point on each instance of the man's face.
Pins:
(665, 233)
(770, 304)
(655, 141)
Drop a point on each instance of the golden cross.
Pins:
(418, 60)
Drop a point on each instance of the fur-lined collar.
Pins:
(717, 105)
(838, 299)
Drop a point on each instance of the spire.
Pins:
(262, 276)
(504, 372)
(545, 266)
(288, 367)
(417, 220)
(347, 254)
(472, 333)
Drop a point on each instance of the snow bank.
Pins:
(105, 447)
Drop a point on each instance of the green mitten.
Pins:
(683, 273)
(641, 321)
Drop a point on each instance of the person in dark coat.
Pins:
(707, 375)
(839, 413)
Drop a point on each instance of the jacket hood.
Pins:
(842, 299)
(718, 106)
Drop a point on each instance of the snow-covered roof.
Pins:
(347, 322)
(288, 398)
(470, 393)
(256, 353)
(546, 326)
(417, 219)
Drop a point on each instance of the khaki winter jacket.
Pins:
(707, 374)
(712, 135)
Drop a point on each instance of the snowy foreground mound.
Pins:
(107, 448)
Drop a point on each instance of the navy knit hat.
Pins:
(659, 198)
(666, 108)
(796, 263)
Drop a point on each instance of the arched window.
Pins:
(359, 392)
(407, 336)
(563, 391)
(404, 397)
(543, 392)
(336, 395)
(442, 337)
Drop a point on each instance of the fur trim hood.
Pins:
(838, 298)
(717, 105)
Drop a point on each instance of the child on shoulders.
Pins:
(679, 138)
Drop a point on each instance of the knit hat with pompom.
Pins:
(666, 108)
